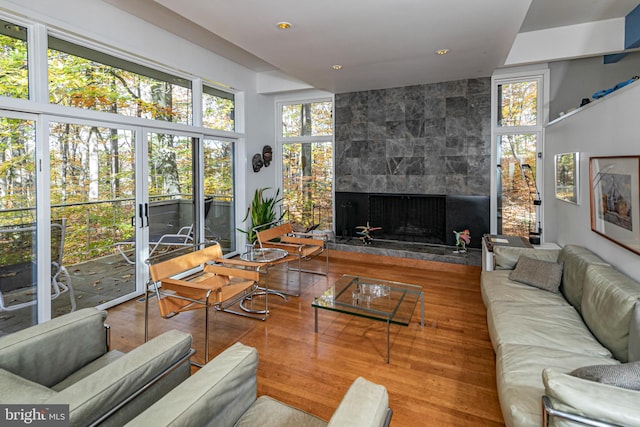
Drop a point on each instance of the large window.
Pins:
(307, 163)
(106, 188)
(85, 78)
(518, 133)
(14, 65)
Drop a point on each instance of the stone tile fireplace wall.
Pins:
(431, 139)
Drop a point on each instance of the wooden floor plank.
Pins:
(442, 374)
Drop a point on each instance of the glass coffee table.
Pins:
(375, 299)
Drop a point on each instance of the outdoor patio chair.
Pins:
(18, 269)
(160, 239)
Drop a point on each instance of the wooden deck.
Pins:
(442, 374)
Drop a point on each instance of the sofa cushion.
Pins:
(591, 399)
(575, 260)
(496, 287)
(15, 389)
(269, 412)
(541, 274)
(608, 301)
(507, 257)
(625, 375)
(551, 326)
(89, 369)
(519, 378)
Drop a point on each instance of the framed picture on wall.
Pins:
(615, 190)
(567, 177)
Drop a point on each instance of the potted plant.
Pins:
(261, 211)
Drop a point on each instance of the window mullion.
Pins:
(37, 53)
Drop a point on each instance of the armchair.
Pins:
(212, 285)
(67, 361)
(300, 246)
(223, 394)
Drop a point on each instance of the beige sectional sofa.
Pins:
(541, 337)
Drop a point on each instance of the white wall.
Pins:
(609, 126)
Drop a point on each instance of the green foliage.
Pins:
(262, 211)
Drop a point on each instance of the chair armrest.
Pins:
(67, 343)
(319, 236)
(366, 404)
(594, 403)
(101, 393)
(303, 240)
(256, 266)
(549, 411)
(218, 394)
(232, 272)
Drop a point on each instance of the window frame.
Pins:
(281, 140)
(541, 75)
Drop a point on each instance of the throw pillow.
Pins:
(625, 375)
(535, 272)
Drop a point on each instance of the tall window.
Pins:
(14, 66)
(85, 78)
(307, 160)
(518, 131)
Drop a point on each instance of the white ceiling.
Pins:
(379, 43)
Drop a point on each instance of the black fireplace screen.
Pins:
(410, 218)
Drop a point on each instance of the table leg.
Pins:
(315, 309)
(388, 345)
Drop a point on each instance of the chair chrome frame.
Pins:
(296, 251)
(549, 411)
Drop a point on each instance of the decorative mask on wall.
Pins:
(257, 162)
(267, 155)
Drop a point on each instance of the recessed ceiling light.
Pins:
(284, 25)
(442, 51)
(337, 67)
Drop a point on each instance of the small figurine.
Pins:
(463, 238)
(365, 234)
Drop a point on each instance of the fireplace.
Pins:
(409, 218)
(429, 219)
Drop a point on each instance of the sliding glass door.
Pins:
(170, 185)
(219, 188)
(18, 258)
(92, 193)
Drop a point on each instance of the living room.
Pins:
(462, 171)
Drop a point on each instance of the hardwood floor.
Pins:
(442, 374)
